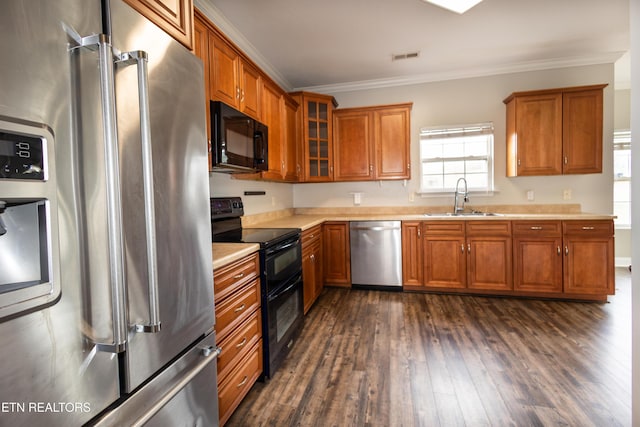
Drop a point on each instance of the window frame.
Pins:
(622, 141)
(455, 131)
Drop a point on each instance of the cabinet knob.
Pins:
(469, 248)
(566, 250)
(462, 248)
(566, 160)
(559, 251)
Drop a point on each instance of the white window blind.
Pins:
(453, 152)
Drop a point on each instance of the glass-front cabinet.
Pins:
(317, 117)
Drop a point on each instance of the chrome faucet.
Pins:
(465, 196)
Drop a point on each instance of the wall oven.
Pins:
(280, 277)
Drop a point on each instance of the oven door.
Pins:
(284, 321)
(282, 261)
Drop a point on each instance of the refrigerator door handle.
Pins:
(140, 59)
(102, 43)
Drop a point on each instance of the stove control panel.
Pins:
(226, 207)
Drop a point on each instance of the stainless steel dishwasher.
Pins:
(376, 254)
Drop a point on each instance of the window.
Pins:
(622, 177)
(450, 153)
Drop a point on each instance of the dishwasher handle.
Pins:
(375, 228)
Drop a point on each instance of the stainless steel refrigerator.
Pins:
(106, 284)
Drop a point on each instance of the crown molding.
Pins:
(605, 58)
(233, 34)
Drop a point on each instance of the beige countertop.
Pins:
(226, 253)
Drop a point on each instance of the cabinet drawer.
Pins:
(236, 309)
(489, 228)
(311, 235)
(239, 382)
(443, 227)
(588, 228)
(233, 276)
(237, 345)
(537, 228)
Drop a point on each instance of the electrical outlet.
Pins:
(530, 195)
(412, 197)
(273, 200)
(566, 194)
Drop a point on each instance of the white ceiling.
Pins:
(335, 45)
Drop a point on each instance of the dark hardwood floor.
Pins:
(375, 358)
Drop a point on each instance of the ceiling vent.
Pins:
(402, 56)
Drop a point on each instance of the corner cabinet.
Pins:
(175, 17)
(589, 266)
(555, 131)
(372, 143)
(316, 120)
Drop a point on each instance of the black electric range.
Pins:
(281, 286)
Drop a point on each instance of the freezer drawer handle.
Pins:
(207, 352)
(102, 43)
(139, 58)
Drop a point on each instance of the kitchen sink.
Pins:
(435, 214)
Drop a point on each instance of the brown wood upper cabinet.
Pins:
(372, 143)
(315, 117)
(173, 16)
(555, 131)
(232, 79)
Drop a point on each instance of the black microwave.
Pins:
(238, 142)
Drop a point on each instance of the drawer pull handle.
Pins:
(588, 228)
(239, 276)
(241, 344)
(243, 382)
(536, 227)
(240, 308)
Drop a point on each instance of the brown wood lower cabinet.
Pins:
(238, 331)
(537, 255)
(549, 258)
(336, 253)
(588, 258)
(311, 265)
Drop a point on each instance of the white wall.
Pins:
(278, 195)
(471, 101)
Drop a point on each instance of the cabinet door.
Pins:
(582, 131)
(272, 117)
(539, 134)
(308, 278)
(291, 141)
(537, 256)
(336, 254)
(250, 83)
(392, 143)
(489, 263)
(201, 50)
(174, 16)
(318, 142)
(412, 253)
(444, 261)
(353, 145)
(224, 71)
(588, 265)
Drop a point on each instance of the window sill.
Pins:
(433, 194)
